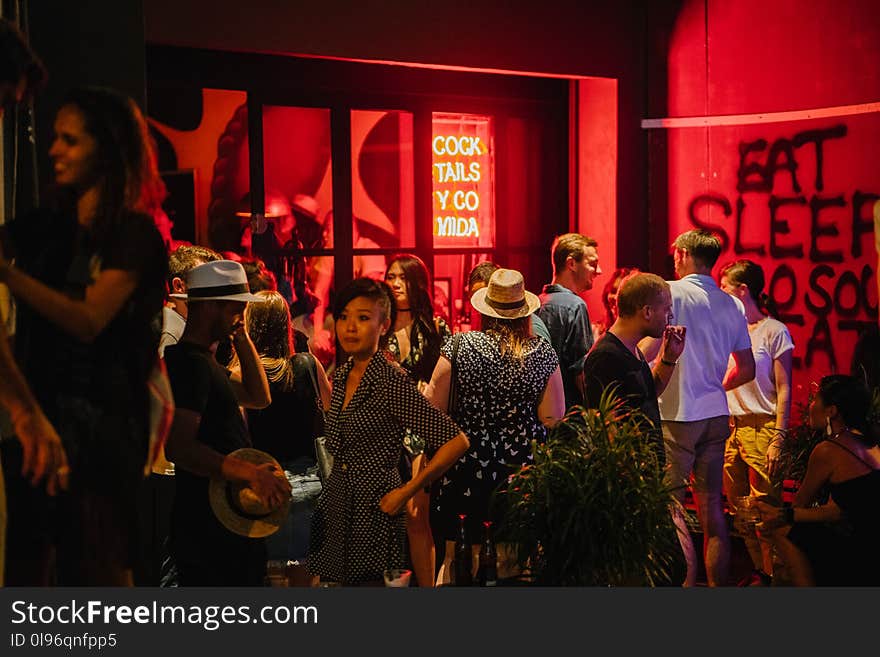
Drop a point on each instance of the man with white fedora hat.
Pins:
(208, 428)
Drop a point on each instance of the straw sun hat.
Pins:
(239, 509)
(505, 297)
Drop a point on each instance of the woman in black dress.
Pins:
(358, 528)
(286, 427)
(835, 543)
(90, 281)
(415, 344)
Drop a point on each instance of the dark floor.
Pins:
(740, 562)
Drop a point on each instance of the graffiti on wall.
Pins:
(809, 236)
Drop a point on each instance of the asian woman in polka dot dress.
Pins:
(359, 528)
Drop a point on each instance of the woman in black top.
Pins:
(286, 427)
(90, 281)
(834, 543)
(415, 344)
(418, 332)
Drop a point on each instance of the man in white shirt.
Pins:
(693, 407)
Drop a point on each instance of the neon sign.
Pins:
(461, 170)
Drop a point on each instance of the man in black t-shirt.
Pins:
(208, 426)
(645, 309)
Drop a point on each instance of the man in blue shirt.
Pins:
(575, 265)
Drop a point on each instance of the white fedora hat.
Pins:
(220, 280)
(505, 297)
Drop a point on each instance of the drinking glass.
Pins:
(397, 577)
(747, 513)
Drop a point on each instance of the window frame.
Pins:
(343, 86)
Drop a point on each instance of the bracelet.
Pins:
(788, 515)
(671, 363)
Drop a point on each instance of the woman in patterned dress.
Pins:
(358, 529)
(415, 344)
(509, 391)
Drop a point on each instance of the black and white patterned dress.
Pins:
(352, 539)
(420, 366)
(413, 363)
(498, 411)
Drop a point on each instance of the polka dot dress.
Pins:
(352, 539)
(498, 411)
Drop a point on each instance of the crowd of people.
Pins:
(424, 427)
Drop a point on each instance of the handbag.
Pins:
(322, 454)
(324, 458)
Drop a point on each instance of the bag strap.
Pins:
(312, 368)
(307, 361)
(453, 381)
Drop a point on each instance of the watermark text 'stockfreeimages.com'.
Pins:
(209, 617)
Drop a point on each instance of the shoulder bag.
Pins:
(322, 454)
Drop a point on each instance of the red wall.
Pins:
(761, 184)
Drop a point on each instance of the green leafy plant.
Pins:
(593, 509)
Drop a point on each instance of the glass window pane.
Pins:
(382, 179)
(297, 177)
(463, 170)
(451, 298)
(298, 185)
(202, 142)
(369, 265)
(318, 325)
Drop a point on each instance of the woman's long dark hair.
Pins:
(751, 274)
(125, 159)
(423, 331)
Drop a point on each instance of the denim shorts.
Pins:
(291, 541)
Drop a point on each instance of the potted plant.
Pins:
(593, 508)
